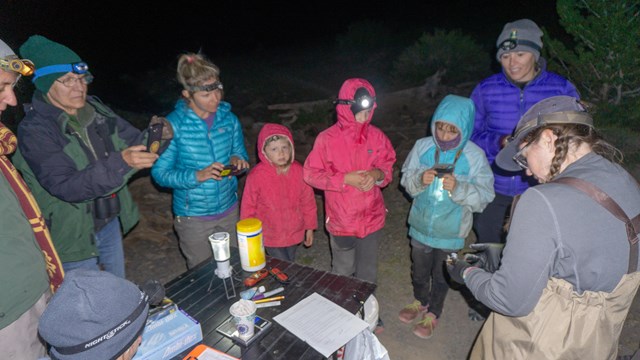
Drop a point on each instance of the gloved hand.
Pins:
(167, 129)
(487, 256)
(456, 268)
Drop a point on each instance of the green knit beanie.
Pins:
(44, 52)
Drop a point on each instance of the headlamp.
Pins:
(21, 66)
(79, 68)
(511, 44)
(211, 87)
(362, 100)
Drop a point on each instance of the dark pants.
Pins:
(427, 276)
(357, 257)
(489, 224)
(285, 253)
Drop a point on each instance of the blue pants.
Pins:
(110, 250)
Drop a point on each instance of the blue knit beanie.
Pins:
(44, 52)
(93, 315)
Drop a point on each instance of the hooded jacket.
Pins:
(283, 202)
(194, 146)
(437, 218)
(499, 106)
(345, 147)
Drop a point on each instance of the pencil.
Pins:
(275, 298)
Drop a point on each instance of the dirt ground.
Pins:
(152, 252)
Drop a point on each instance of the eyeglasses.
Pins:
(71, 81)
(21, 66)
(521, 159)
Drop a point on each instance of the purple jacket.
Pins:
(499, 106)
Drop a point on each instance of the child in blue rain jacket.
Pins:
(448, 178)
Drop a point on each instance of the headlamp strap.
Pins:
(76, 68)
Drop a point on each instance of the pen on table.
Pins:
(268, 304)
(268, 299)
(268, 293)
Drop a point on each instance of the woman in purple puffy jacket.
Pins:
(501, 100)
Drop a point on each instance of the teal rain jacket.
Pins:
(438, 218)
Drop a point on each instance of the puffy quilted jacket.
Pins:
(499, 106)
(342, 148)
(194, 147)
(283, 202)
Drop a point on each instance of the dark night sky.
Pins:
(124, 37)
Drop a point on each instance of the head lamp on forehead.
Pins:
(79, 68)
(23, 67)
(362, 100)
(511, 44)
(211, 87)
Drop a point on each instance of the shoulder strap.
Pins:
(632, 225)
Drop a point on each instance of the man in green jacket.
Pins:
(77, 156)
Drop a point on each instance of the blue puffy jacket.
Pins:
(438, 218)
(499, 106)
(193, 148)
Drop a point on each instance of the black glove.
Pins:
(487, 256)
(456, 268)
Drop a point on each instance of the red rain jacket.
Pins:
(345, 147)
(283, 202)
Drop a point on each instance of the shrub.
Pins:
(604, 60)
(463, 59)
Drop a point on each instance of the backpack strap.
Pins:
(632, 225)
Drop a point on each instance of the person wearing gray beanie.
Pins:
(520, 35)
(94, 315)
(500, 100)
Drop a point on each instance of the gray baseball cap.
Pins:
(554, 110)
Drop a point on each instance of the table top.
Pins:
(210, 307)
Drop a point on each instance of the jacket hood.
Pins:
(267, 131)
(347, 92)
(458, 111)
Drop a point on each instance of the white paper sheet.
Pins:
(321, 323)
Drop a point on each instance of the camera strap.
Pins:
(458, 153)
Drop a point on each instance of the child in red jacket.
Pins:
(276, 193)
(351, 162)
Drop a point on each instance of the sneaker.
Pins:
(412, 311)
(379, 327)
(424, 328)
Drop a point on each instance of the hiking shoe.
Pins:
(412, 311)
(424, 328)
(474, 315)
(379, 327)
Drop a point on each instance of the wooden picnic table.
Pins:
(201, 294)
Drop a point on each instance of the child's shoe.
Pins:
(412, 311)
(424, 328)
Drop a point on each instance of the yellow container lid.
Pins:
(249, 225)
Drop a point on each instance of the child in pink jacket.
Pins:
(351, 162)
(276, 193)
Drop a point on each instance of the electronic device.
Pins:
(228, 329)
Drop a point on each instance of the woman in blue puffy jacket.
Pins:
(207, 137)
(501, 100)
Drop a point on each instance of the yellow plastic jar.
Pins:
(252, 256)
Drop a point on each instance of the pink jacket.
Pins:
(283, 202)
(345, 147)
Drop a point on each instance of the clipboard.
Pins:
(204, 352)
